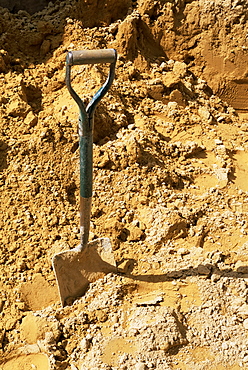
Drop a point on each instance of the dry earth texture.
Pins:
(170, 185)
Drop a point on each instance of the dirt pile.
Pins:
(28, 5)
(170, 186)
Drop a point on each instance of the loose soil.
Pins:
(170, 185)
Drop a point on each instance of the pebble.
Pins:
(84, 345)
(73, 367)
(183, 251)
(140, 366)
(225, 345)
(243, 310)
(245, 324)
(245, 359)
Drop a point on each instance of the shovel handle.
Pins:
(79, 57)
(86, 124)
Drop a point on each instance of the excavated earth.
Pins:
(170, 185)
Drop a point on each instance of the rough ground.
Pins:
(170, 186)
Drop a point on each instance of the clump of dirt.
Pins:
(170, 189)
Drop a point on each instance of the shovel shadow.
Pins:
(3, 155)
(201, 270)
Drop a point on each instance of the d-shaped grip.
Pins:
(91, 57)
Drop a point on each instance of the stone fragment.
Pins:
(153, 301)
(203, 270)
(242, 267)
(156, 92)
(103, 160)
(205, 114)
(183, 251)
(10, 323)
(17, 107)
(84, 345)
(1, 304)
(45, 47)
(140, 366)
(225, 345)
(243, 310)
(125, 266)
(245, 324)
(170, 79)
(215, 278)
(177, 96)
(30, 119)
(172, 105)
(28, 349)
(245, 359)
(135, 233)
(73, 367)
(180, 69)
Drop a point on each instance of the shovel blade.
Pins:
(75, 270)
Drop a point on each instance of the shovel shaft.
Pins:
(85, 210)
(86, 165)
(86, 175)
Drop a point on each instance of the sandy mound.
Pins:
(170, 185)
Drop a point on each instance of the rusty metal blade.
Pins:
(75, 270)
